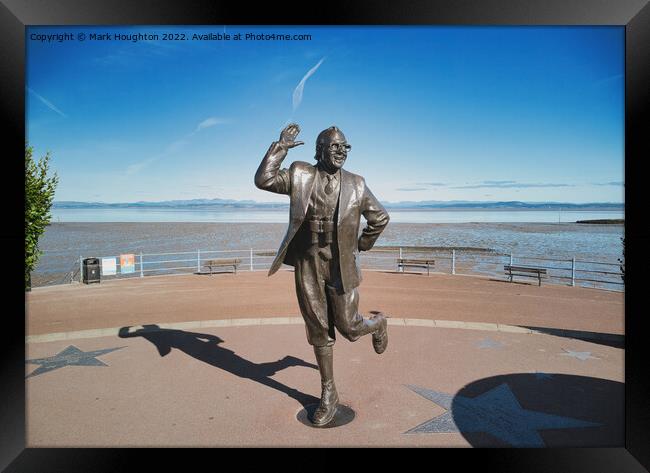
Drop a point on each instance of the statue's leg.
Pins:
(329, 398)
(312, 300)
(351, 324)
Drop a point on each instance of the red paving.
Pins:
(234, 386)
(252, 294)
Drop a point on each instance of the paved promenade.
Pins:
(222, 360)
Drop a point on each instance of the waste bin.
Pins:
(91, 271)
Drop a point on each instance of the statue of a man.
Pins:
(322, 244)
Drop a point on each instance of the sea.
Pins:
(62, 215)
(554, 235)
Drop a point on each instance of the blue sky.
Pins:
(432, 113)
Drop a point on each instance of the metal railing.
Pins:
(447, 260)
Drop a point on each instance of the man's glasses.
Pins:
(339, 147)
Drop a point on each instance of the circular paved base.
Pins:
(344, 415)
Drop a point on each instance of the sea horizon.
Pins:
(238, 215)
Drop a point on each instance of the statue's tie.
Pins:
(329, 187)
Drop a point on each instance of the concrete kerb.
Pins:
(247, 322)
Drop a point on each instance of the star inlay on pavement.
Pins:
(487, 343)
(581, 355)
(496, 412)
(70, 356)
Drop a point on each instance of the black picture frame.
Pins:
(634, 15)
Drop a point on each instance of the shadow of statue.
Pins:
(608, 339)
(530, 410)
(206, 348)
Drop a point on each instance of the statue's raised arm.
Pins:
(288, 136)
(269, 177)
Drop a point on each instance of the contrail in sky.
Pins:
(207, 123)
(176, 145)
(47, 103)
(297, 93)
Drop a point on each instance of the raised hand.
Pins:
(288, 136)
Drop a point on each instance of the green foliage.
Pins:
(39, 195)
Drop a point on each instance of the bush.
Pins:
(39, 195)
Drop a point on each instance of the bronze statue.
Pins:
(322, 244)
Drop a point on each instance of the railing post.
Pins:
(510, 259)
(453, 261)
(198, 261)
(81, 268)
(400, 257)
(141, 266)
(573, 271)
(251, 259)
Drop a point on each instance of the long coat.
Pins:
(355, 199)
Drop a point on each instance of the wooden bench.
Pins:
(222, 262)
(525, 271)
(415, 263)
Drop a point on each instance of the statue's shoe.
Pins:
(380, 337)
(327, 408)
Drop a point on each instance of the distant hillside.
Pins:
(172, 204)
(507, 205)
(415, 205)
